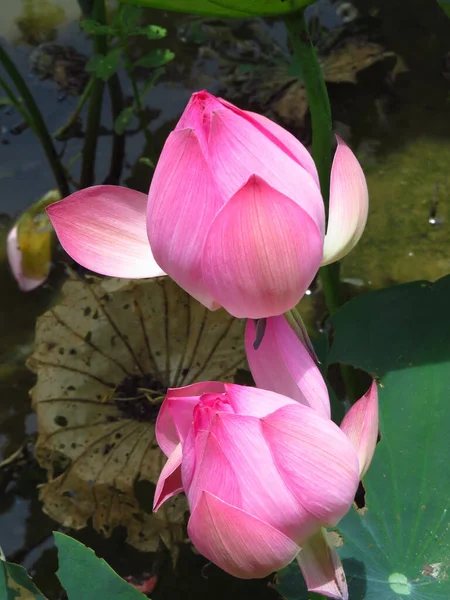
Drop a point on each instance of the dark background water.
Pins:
(397, 123)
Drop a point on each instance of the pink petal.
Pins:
(264, 493)
(322, 567)
(196, 116)
(182, 202)
(103, 229)
(239, 147)
(315, 460)
(175, 414)
(360, 425)
(284, 365)
(254, 402)
(206, 468)
(26, 284)
(286, 141)
(236, 541)
(169, 482)
(349, 205)
(261, 252)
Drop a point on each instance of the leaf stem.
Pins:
(34, 118)
(60, 133)
(98, 13)
(118, 144)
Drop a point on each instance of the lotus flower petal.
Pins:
(322, 567)
(175, 415)
(239, 149)
(169, 482)
(360, 425)
(254, 402)
(236, 541)
(315, 459)
(103, 229)
(182, 203)
(349, 205)
(261, 253)
(284, 365)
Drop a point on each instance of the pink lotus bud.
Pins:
(234, 214)
(262, 473)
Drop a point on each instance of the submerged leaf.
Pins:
(104, 358)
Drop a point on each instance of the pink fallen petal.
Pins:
(315, 459)
(236, 541)
(261, 253)
(349, 205)
(322, 567)
(360, 425)
(182, 203)
(169, 482)
(103, 229)
(284, 365)
(239, 149)
(14, 254)
(175, 415)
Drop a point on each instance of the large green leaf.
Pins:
(84, 576)
(398, 545)
(226, 8)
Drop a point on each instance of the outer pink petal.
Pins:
(169, 482)
(261, 252)
(103, 229)
(264, 493)
(322, 567)
(175, 414)
(315, 459)
(254, 402)
(360, 425)
(349, 205)
(26, 284)
(238, 149)
(236, 541)
(182, 202)
(284, 365)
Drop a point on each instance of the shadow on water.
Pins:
(400, 130)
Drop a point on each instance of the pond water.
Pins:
(394, 114)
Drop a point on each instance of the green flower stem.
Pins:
(31, 113)
(64, 129)
(319, 106)
(95, 103)
(118, 144)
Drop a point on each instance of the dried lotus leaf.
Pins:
(104, 357)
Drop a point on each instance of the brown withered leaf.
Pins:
(104, 357)
(344, 63)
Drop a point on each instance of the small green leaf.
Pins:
(227, 8)
(146, 161)
(104, 66)
(128, 17)
(123, 120)
(15, 583)
(84, 576)
(153, 32)
(94, 28)
(155, 58)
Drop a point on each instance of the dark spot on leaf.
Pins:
(118, 436)
(61, 421)
(71, 388)
(107, 449)
(95, 315)
(126, 306)
(87, 311)
(88, 337)
(72, 351)
(61, 351)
